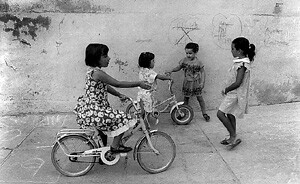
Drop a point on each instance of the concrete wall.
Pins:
(42, 44)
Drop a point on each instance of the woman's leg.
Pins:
(203, 109)
(117, 147)
(103, 137)
(227, 123)
(116, 141)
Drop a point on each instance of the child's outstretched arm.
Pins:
(239, 79)
(176, 69)
(163, 77)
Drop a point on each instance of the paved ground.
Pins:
(269, 153)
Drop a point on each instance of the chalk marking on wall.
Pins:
(225, 29)
(121, 64)
(281, 33)
(184, 30)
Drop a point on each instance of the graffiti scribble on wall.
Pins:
(184, 30)
(121, 64)
(21, 27)
(225, 29)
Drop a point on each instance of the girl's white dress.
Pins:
(146, 96)
(236, 101)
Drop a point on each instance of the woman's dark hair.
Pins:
(247, 48)
(193, 46)
(145, 59)
(93, 53)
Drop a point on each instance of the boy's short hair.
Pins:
(145, 59)
(93, 53)
(193, 46)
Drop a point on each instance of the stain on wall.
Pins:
(20, 27)
(270, 93)
(71, 6)
(60, 6)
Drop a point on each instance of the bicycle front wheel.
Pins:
(72, 166)
(149, 160)
(182, 115)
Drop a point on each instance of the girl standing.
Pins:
(146, 73)
(194, 76)
(235, 103)
(93, 108)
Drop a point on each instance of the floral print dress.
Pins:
(93, 109)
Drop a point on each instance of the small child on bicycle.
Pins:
(147, 74)
(194, 76)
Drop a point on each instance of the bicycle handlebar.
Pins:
(170, 84)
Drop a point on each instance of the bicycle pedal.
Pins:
(123, 154)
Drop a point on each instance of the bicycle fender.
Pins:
(174, 106)
(138, 143)
(81, 135)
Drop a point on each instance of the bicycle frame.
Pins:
(93, 136)
(171, 100)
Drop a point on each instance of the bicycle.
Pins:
(181, 114)
(75, 150)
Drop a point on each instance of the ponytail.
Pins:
(251, 52)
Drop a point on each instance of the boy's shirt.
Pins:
(191, 68)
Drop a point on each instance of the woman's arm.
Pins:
(239, 79)
(112, 91)
(100, 75)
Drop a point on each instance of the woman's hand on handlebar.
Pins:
(123, 98)
(145, 85)
(168, 73)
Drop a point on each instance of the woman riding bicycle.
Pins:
(93, 108)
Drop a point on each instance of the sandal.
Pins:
(206, 117)
(120, 149)
(233, 144)
(225, 141)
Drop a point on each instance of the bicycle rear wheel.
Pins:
(72, 166)
(152, 162)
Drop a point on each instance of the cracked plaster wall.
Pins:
(42, 46)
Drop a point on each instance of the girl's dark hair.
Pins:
(193, 46)
(145, 59)
(93, 53)
(247, 48)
